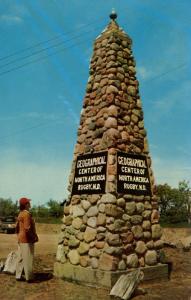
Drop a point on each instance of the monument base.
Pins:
(105, 279)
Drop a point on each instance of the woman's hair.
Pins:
(22, 206)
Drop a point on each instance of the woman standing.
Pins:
(27, 236)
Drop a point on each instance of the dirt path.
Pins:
(49, 288)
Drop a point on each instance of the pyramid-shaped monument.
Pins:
(111, 223)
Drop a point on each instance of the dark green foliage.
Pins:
(174, 203)
(8, 208)
(55, 209)
(51, 212)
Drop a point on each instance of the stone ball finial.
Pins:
(113, 14)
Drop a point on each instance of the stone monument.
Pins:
(111, 223)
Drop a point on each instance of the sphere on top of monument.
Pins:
(113, 14)
(113, 28)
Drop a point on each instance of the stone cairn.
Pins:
(111, 231)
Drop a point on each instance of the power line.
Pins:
(47, 41)
(167, 72)
(44, 123)
(24, 130)
(41, 58)
(45, 49)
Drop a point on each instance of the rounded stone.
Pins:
(126, 217)
(146, 214)
(77, 222)
(141, 262)
(101, 229)
(158, 244)
(101, 208)
(93, 199)
(113, 211)
(74, 257)
(100, 244)
(134, 118)
(137, 231)
(85, 204)
(140, 247)
(90, 234)
(136, 219)
(111, 122)
(111, 89)
(121, 202)
(92, 211)
(127, 237)
(61, 237)
(84, 261)
(101, 219)
(73, 242)
(124, 135)
(148, 205)
(130, 208)
(122, 265)
(108, 198)
(155, 216)
(141, 124)
(151, 258)
(147, 235)
(132, 260)
(94, 252)
(92, 222)
(77, 211)
(150, 244)
(131, 90)
(112, 111)
(113, 239)
(156, 231)
(101, 235)
(94, 262)
(140, 207)
(146, 225)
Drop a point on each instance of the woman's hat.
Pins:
(24, 201)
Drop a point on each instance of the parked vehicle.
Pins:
(8, 224)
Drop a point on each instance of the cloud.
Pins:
(33, 115)
(15, 14)
(42, 116)
(11, 19)
(178, 96)
(170, 171)
(144, 73)
(69, 108)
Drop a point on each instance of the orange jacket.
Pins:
(25, 228)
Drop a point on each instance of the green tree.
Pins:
(40, 211)
(185, 189)
(55, 209)
(8, 208)
(173, 206)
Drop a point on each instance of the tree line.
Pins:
(174, 205)
(50, 210)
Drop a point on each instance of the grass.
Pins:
(48, 220)
(176, 225)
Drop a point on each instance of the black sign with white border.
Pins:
(132, 174)
(90, 174)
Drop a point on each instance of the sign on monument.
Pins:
(132, 174)
(90, 174)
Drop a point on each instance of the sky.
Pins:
(46, 46)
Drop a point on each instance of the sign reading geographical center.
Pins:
(90, 174)
(132, 174)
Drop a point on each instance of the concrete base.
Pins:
(105, 279)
